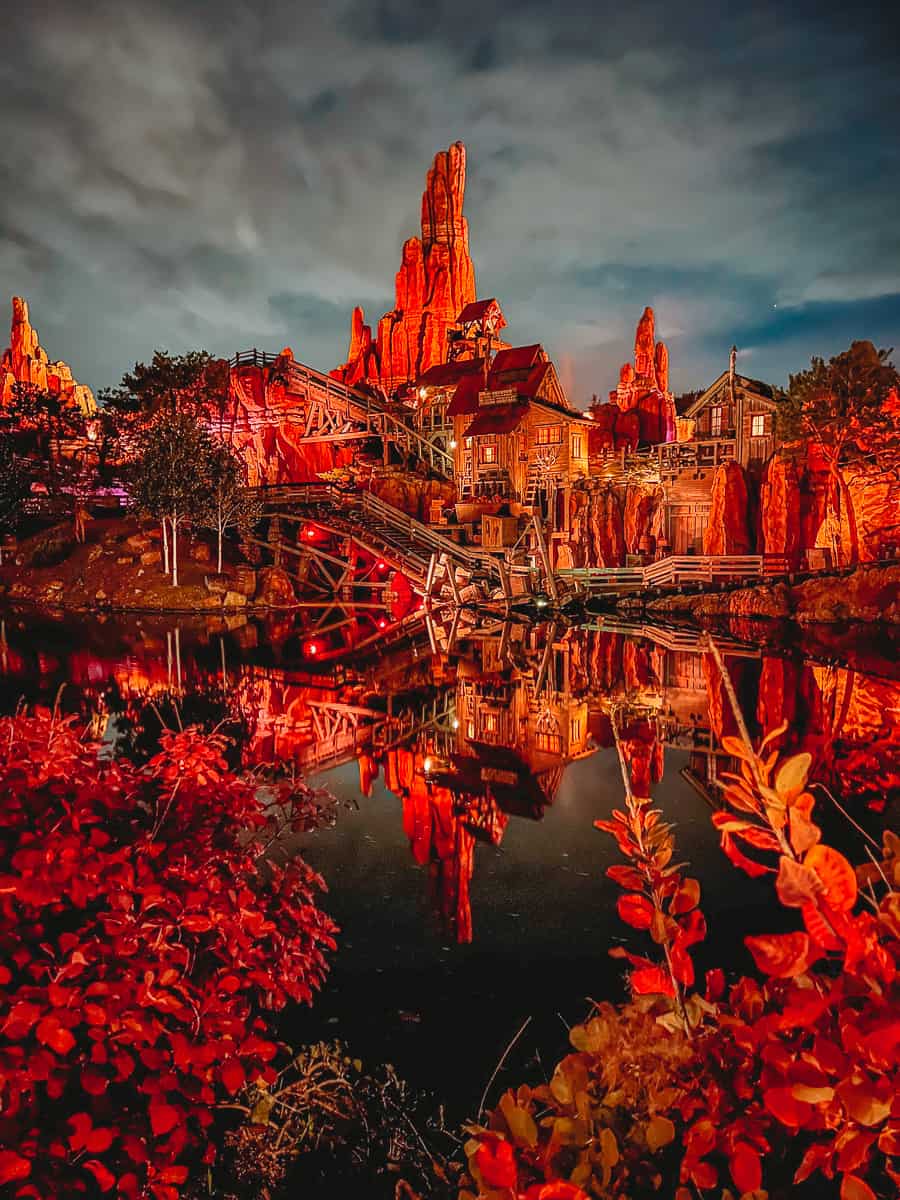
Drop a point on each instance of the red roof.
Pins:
(445, 374)
(498, 418)
(477, 311)
(465, 398)
(516, 358)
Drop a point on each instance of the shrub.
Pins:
(146, 935)
(788, 1076)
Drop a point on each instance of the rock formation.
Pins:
(645, 386)
(729, 528)
(607, 522)
(26, 361)
(257, 421)
(435, 281)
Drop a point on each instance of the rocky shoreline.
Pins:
(869, 594)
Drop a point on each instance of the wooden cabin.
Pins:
(733, 420)
(516, 438)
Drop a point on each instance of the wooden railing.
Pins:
(676, 570)
(356, 405)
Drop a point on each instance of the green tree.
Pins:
(227, 504)
(845, 408)
(168, 479)
(170, 383)
(14, 487)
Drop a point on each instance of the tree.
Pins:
(227, 504)
(146, 934)
(171, 383)
(167, 479)
(14, 487)
(42, 423)
(849, 409)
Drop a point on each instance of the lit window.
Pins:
(487, 454)
(758, 425)
(716, 421)
(467, 443)
(576, 446)
(491, 725)
(576, 730)
(546, 435)
(470, 730)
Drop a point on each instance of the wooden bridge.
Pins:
(374, 525)
(331, 411)
(676, 571)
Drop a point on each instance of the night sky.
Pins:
(230, 173)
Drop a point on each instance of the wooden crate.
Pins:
(497, 532)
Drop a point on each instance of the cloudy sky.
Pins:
(230, 173)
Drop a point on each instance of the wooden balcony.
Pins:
(698, 456)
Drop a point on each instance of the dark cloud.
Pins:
(235, 172)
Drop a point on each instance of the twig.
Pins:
(499, 1065)
(845, 814)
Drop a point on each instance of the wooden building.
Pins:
(733, 420)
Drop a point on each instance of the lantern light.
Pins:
(422, 393)
(312, 649)
(381, 565)
(453, 445)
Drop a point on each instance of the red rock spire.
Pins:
(435, 281)
(26, 361)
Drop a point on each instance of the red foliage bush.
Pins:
(793, 1074)
(144, 933)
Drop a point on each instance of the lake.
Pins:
(460, 854)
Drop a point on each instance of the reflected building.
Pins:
(481, 733)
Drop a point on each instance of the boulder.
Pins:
(139, 542)
(234, 600)
(149, 557)
(274, 588)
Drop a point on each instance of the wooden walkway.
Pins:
(675, 571)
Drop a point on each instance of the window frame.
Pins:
(761, 418)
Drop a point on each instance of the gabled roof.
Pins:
(448, 373)
(478, 310)
(761, 390)
(516, 358)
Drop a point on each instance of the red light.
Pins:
(310, 533)
(382, 624)
(381, 566)
(312, 649)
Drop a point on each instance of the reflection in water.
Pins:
(471, 739)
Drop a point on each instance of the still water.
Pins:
(461, 858)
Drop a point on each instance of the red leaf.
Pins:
(736, 856)
(796, 884)
(163, 1117)
(635, 910)
(836, 874)
(20, 1020)
(497, 1164)
(54, 1035)
(746, 1169)
(782, 956)
(105, 1178)
(13, 1166)
(854, 1188)
(784, 1107)
(626, 877)
(651, 981)
(232, 1075)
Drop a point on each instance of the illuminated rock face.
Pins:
(435, 282)
(26, 361)
(257, 422)
(412, 495)
(728, 531)
(607, 522)
(644, 387)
